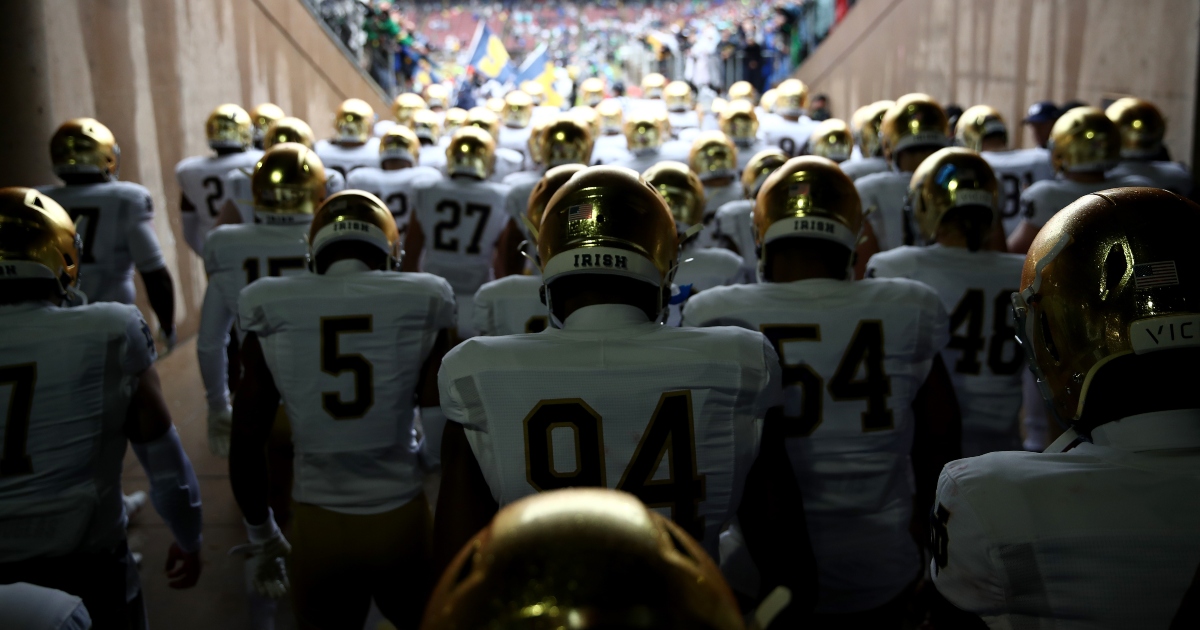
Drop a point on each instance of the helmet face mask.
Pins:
(229, 127)
(85, 146)
(356, 216)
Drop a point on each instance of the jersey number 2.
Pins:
(334, 362)
(22, 378)
(670, 434)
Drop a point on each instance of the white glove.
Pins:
(220, 427)
(168, 339)
(266, 551)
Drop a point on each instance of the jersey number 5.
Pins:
(22, 378)
(670, 434)
(334, 362)
(864, 353)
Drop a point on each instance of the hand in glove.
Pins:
(220, 427)
(267, 549)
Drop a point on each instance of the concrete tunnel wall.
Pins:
(152, 70)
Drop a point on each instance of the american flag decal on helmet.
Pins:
(582, 212)
(1155, 274)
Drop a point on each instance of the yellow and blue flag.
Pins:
(539, 68)
(488, 55)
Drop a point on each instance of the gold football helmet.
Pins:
(288, 184)
(1141, 125)
(485, 119)
(743, 90)
(759, 168)
(739, 121)
(288, 129)
(678, 96)
(427, 127)
(643, 132)
(652, 85)
(494, 104)
(544, 190)
(607, 219)
(405, 106)
(436, 96)
(455, 118)
(791, 99)
(85, 145)
(228, 127)
(916, 120)
(354, 215)
(591, 91)
(1084, 140)
(808, 196)
(400, 143)
(866, 122)
(1103, 279)
(832, 139)
(588, 117)
(682, 190)
(471, 152)
(37, 238)
(612, 117)
(535, 90)
(953, 177)
(977, 123)
(353, 121)
(534, 143)
(262, 116)
(768, 100)
(518, 109)
(717, 106)
(582, 558)
(565, 141)
(713, 156)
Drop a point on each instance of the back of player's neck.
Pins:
(84, 179)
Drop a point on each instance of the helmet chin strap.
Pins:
(72, 296)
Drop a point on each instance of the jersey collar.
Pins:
(346, 267)
(1178, 428)
(605, 317)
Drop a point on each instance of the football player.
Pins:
(1142, 152)
(982, 129)
(734, 224)
(512, 305)
(766, 107)
(455, 117)
(911, 130)
(739, 123)
(603, 400)
(348, 350)
(794, 127)
(352, 145)
(401, 173)
(24, 605)
(599, 555)
(437, 97)
(457, 222)
(743, 90)
(288, 184)
(514, 134)
(427, 126)
(201, 178)
(653, 85)
(644, 133)
(79, 384)
(954, 199)
(565, 141)
(699, 268)
(591, 91)
(869, 405)
(261, 118)
(1098, 531)
(832, 140)
(115, 219)
(865, 122)
(714, 159)
(404, 108)
(680, 107)
(1084, 144)
(507, 161)
(610, 147)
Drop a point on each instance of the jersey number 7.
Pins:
(22, 378)
(670, 434)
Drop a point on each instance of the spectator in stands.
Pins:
(819, 108)
(382, 35)
(1040, 118)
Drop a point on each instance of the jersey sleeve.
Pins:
(139, 231)
(770, 393)
(482, 317)
(139, 352)
(459, 396)
(252, 315)
(334, 182)
(445, 313)
(1034, 209)
(962, 567)
(934, 330)
(887, 265)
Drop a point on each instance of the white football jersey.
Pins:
(346, 350)
(508, 162)
(237, 182)
(642, 161)
(382, 127)
(862, 167)
(735, 222)
(1044, 199)
(747, 153)
(1171, 176)
(202, 181)
(344, 159)
(678, 150)
(516, 139)
(604, 400)
(717, 196)
(1100, 536)
(610, 149)
(521, 186)
(235, 256)
(884, 196)
(854, 355)
(395, 188)
(511, 305)
(983, 357)
(115, 221)
(66, 377)
(682, 120)
(701, 269)
(462, 219)
(789, 135)
(1016, 171)
(433, 156)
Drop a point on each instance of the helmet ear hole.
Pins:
(679, 546)
(1116, 271)
(1048, 338)
(468, 565)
